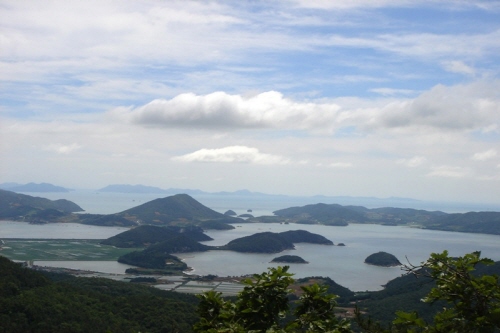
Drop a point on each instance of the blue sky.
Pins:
(364, 98)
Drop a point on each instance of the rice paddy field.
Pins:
(60, 249)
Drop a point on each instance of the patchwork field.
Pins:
(60, 249)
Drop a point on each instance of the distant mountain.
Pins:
(33, 187)
(478, 222)
(21, 206)
(334, 214)
(322, 214)
(179, 207)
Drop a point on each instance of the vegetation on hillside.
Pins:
(16, 206)
(31, 302)
(262, 242)
(147, 235)
(158, 256)
(459, 295)
(170, 209)
(304, 236)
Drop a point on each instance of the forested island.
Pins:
(383, 259)
(289, 259)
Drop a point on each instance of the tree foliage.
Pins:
(263, 305)
(471, 303)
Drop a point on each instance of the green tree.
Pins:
(473, 302)
(263, 304)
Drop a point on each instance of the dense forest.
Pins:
(34, 302)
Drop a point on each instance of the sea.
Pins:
(344, 264)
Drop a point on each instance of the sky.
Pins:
(382, 98)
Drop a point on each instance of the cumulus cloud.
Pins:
(463, 107)
(221, 110)
(485, 155)
(232, 154)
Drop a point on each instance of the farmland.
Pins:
(60, 249)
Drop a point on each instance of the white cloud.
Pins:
(458, 67)
(413, 162)
(462, 107)
(474, 106)
(63, 149)
(232, 154)
(221, 110)
(485, 155)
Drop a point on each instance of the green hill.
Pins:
(477, 222)
(263, 242)
(147, 235)
(289, 259)
(158, 256)
(180, 208)
(303, 236)
(322, 214)
(31, 302)
(18, 206)
(270, 242)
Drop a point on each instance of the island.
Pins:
(290, 259)
(383, 259)
(270, 242)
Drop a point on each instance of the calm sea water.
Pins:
(345, 265)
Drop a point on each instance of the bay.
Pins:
(11, 229)
(344, 264)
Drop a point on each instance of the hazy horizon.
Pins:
(369, 98)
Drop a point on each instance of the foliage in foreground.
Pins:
(32, 302)
(472, 303)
